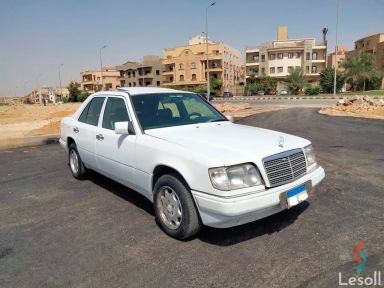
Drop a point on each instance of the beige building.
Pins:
(341, 55)
(373, 44)
(91, 81)
(280, 57)
(49, 94)
(186, 65)
(146, 73)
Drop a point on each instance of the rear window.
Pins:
(91, 112)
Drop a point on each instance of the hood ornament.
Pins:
(280, 141)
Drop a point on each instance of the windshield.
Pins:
(173, 109)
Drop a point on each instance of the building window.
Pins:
(308, 57)
(133, 74)
(307, 69)
(129, 84)
(134, 83)
(158, 83)
(262, 58)
(193, 65)
(262, 70)
(314, 56)
(290, 69)
(157, 72)
(280, 55)
(181, 66)
(181, 77)
(297, 55)
(279, 69)
(193, 77)
(272, 56)
(272, 70)
(314, 69)
(290, 55)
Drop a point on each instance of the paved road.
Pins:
(59, 232)
(277, 101)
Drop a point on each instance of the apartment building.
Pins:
(48, 94)
(282, 55)
(96, 80)
(186, 65)
(342, 52)
(146, 73)
(373, 44)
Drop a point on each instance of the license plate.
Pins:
(294, 196)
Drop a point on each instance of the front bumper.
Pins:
(222, 212)
(63, 144)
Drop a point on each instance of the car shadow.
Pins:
(216, 236)
(269, 225)
(122, 191)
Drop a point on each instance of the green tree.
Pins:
(73, 92)
(215, 85)
(360, 68)
(327, 79)
(296, 80)
(82, 96)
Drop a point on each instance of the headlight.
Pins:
(310, 155)
(235, 177)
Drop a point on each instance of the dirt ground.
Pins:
(355, 110)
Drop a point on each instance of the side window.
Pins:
(91, 112)
(115, 111)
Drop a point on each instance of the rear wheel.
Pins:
(174, 208)
(75, 164)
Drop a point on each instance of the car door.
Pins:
(86, 129)
(115, 152)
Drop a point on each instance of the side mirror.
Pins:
(124, 128)
(229, 117)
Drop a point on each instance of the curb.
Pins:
(259, 98)
(29, 141)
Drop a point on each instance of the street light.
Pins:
(61, 92)
(337, 28)
(206, 43)
(38, 86)
(101, 67)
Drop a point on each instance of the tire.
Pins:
(76, 166)
(169, 193)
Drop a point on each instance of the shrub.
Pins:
(312, 91)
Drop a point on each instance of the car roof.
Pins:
(148, 90)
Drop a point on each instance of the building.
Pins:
(48, 94)
(91, 80)
(280, 57)
(146, 73)
(342, 52)
(186, 65)
(373, 44)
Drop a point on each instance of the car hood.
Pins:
(228, 143)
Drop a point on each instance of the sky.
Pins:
(36, 36)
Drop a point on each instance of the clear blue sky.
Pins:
(37, 35)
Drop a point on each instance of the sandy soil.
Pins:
(355, 110)
(24, 121)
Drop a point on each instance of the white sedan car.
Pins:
(182, 154)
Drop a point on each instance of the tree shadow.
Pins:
(272, 224)
(122, 191)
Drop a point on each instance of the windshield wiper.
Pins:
(217, 120)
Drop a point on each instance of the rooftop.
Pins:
(147, 90)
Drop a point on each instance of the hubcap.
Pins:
(74, 161)
(169, 207)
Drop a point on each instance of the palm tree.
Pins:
(296, 80)
(325, 42)
(359, 68)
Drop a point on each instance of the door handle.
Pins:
(100, 137)
(76, 130)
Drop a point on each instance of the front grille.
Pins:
(285, 167)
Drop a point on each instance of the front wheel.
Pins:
(79, 171)
(174, 208)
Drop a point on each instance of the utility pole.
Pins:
(61, 92)
(206, 44)
(101, 67)
(337, 28)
